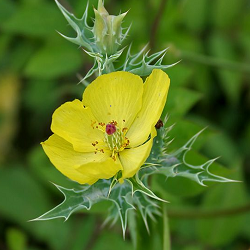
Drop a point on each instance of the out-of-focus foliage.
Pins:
(209, 87)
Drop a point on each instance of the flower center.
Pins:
(110, 129)
(115, 138)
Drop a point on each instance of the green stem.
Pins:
(215, 62)
(110, 68)
(166, 231)
(156, 23)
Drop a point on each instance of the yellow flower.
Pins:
(111, 130)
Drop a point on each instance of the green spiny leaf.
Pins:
(91, 72)
(81, 27)
(138, 186)
(75, 200)
(121, 195)
(101, 63)
(144, 66)
(175, 164)
(146, 206)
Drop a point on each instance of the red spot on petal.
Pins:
(110, 129)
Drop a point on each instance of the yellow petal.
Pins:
(153, 101)
(132, 159)
(104, 169)
(65, 159)
(77, 125)
(116, 96)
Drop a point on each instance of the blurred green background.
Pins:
(209, 87)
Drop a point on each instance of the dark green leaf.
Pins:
(57, 58)
(35, 19)
(180, 101)
(223, 230)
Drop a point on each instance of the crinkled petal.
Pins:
(115, 96)
(77, 125)
(132, 159)
(153, 101)
(66, 159)
(104, 169)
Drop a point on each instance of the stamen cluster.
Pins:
(115, 138)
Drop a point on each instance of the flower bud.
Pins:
(107, 30)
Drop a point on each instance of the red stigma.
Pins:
(110, 129)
